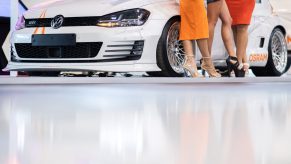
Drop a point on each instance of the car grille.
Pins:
(69, 21)
(80, 50)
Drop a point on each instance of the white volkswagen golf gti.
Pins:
(130, 36)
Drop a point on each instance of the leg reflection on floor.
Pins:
(148, 124)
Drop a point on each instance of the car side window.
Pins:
(258, 1)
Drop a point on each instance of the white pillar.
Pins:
(13, 13)
(14, 18)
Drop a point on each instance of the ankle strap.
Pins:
(187, 57)
(240, 66)
(246, 64)
(233, 58)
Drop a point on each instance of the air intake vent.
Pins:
(262, 42)
(80, 50)
(126, 50)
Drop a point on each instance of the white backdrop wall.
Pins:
(283, 9)
(4, 8)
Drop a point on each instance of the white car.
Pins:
(130, 36)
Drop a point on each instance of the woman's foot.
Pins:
(234, 65)
(207, 65)
(190, 67)
(246, 66)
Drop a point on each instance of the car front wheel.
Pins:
(170, 52)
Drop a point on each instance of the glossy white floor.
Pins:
(125, 121)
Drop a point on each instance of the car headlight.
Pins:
(20, 23)
(132, 17)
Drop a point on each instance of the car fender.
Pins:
(261, 28)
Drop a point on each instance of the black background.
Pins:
(5, 28)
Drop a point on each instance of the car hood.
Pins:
(282, 9)
(79, 8)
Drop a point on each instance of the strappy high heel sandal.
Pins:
(190, 70)
(230, 61)
(207, 65)
(233, 65)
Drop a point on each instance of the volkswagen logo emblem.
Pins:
(57, 21)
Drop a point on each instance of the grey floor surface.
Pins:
(145, 121)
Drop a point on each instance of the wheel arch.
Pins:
(161, 50)
(169, 20)
(175, 17)
(281, 28)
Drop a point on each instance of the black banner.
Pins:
(5, 27)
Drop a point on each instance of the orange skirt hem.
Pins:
(194, 23)
(197, 38)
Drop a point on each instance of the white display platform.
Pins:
(133, 80)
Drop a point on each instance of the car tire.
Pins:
(44, 73)
(3, 60)
(289, 61)
(170, 52)
(277, 63)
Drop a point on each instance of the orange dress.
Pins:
(194, 23)
(241, 11)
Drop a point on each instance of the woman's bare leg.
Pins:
(188, 48)
(190, 62)
(226, 30)
(241, 42)
(203, 47)
(207, 63)
(213, 11)
(234, 31)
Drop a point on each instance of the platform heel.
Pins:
(190, 70)
(234, 65)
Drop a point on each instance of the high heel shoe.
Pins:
(190, 70)
(230, 62)
(207, 65)
(233, 65)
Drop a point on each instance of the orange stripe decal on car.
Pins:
(41, 16)
(35, 31)
(43, 28)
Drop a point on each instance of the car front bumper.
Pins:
(108, 57)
